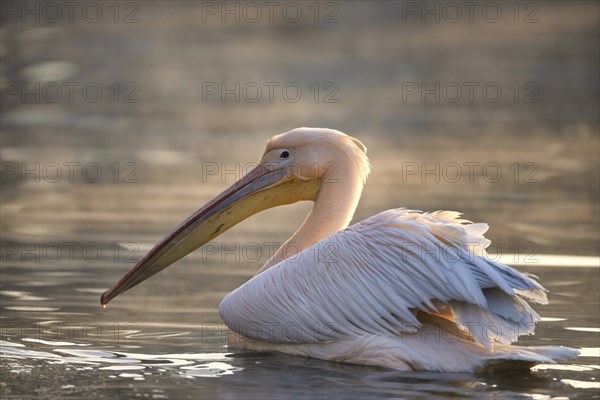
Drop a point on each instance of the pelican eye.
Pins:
(284, 154)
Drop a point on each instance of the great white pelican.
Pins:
(402, 289)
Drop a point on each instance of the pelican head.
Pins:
(296, 165)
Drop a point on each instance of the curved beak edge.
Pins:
(260, 189)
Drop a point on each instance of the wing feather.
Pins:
(376, 275)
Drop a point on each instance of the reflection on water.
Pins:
(76, 348)
(190, 365)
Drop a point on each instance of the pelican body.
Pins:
(402, 289)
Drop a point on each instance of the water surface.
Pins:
(58, 342)
(66, 240)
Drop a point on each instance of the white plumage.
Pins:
(402, 289)
(391, 285)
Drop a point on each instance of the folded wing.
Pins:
(376, 276)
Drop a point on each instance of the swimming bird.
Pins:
(402, 289)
